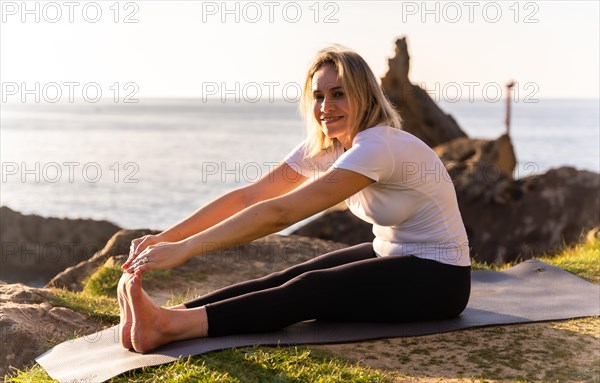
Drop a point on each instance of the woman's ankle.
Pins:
(187, 324)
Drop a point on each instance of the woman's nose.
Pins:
(327, 105)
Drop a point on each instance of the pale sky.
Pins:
(186, 49)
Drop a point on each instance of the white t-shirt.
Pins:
(412, 205)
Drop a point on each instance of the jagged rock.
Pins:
(422, 117)
(505, 219)
(495, 155)
(118, 244)
(516, 220)
(340, 225)
(29, 324)
(34, 248)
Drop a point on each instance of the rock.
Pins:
(421, 116)
(340, 225)
(495, 155)
(506, 219)
(531, 216)
(34, 248)
(30, 325)
(119, 244)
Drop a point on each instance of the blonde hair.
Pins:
(366, 99)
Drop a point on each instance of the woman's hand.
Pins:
(163, 255)
(140, 244)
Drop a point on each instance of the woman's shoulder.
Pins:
(386, 134)
(398, 143)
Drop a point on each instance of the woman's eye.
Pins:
(338, 94)
(318, 97)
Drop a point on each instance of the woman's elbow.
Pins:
(280, 216)
(247, 197)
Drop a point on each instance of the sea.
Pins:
(152, 163)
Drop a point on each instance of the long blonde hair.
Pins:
(367, 101)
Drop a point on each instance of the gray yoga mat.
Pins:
(528, 292)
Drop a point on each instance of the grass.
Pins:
(301, 364)
(102, 308)
(104, 281)
(586, 326)
(582, 259)
(250, 364)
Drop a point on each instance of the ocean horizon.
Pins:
(152, 163)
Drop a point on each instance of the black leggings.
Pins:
(350, 284)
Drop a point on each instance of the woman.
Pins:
(417, 268)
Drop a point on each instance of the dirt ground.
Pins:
(567, 351)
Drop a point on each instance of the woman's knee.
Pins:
(332, 259)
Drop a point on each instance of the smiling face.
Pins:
(331, 107)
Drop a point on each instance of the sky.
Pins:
(235, 50)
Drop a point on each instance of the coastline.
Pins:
(189, 158)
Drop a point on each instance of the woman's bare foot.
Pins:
(154, 326)
(147, 318)
(125, 313)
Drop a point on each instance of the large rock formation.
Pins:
(498, 156)
(34, 248)
(515, 220)
(30, 324)
(422, 117)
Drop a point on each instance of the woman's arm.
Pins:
(278, 181)
(260, 219)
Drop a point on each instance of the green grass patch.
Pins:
(104, 281)
(99, 307)
(29, 375)
(255, 364)
(585, 326)
(581, 259)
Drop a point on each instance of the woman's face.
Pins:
(330, 105)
